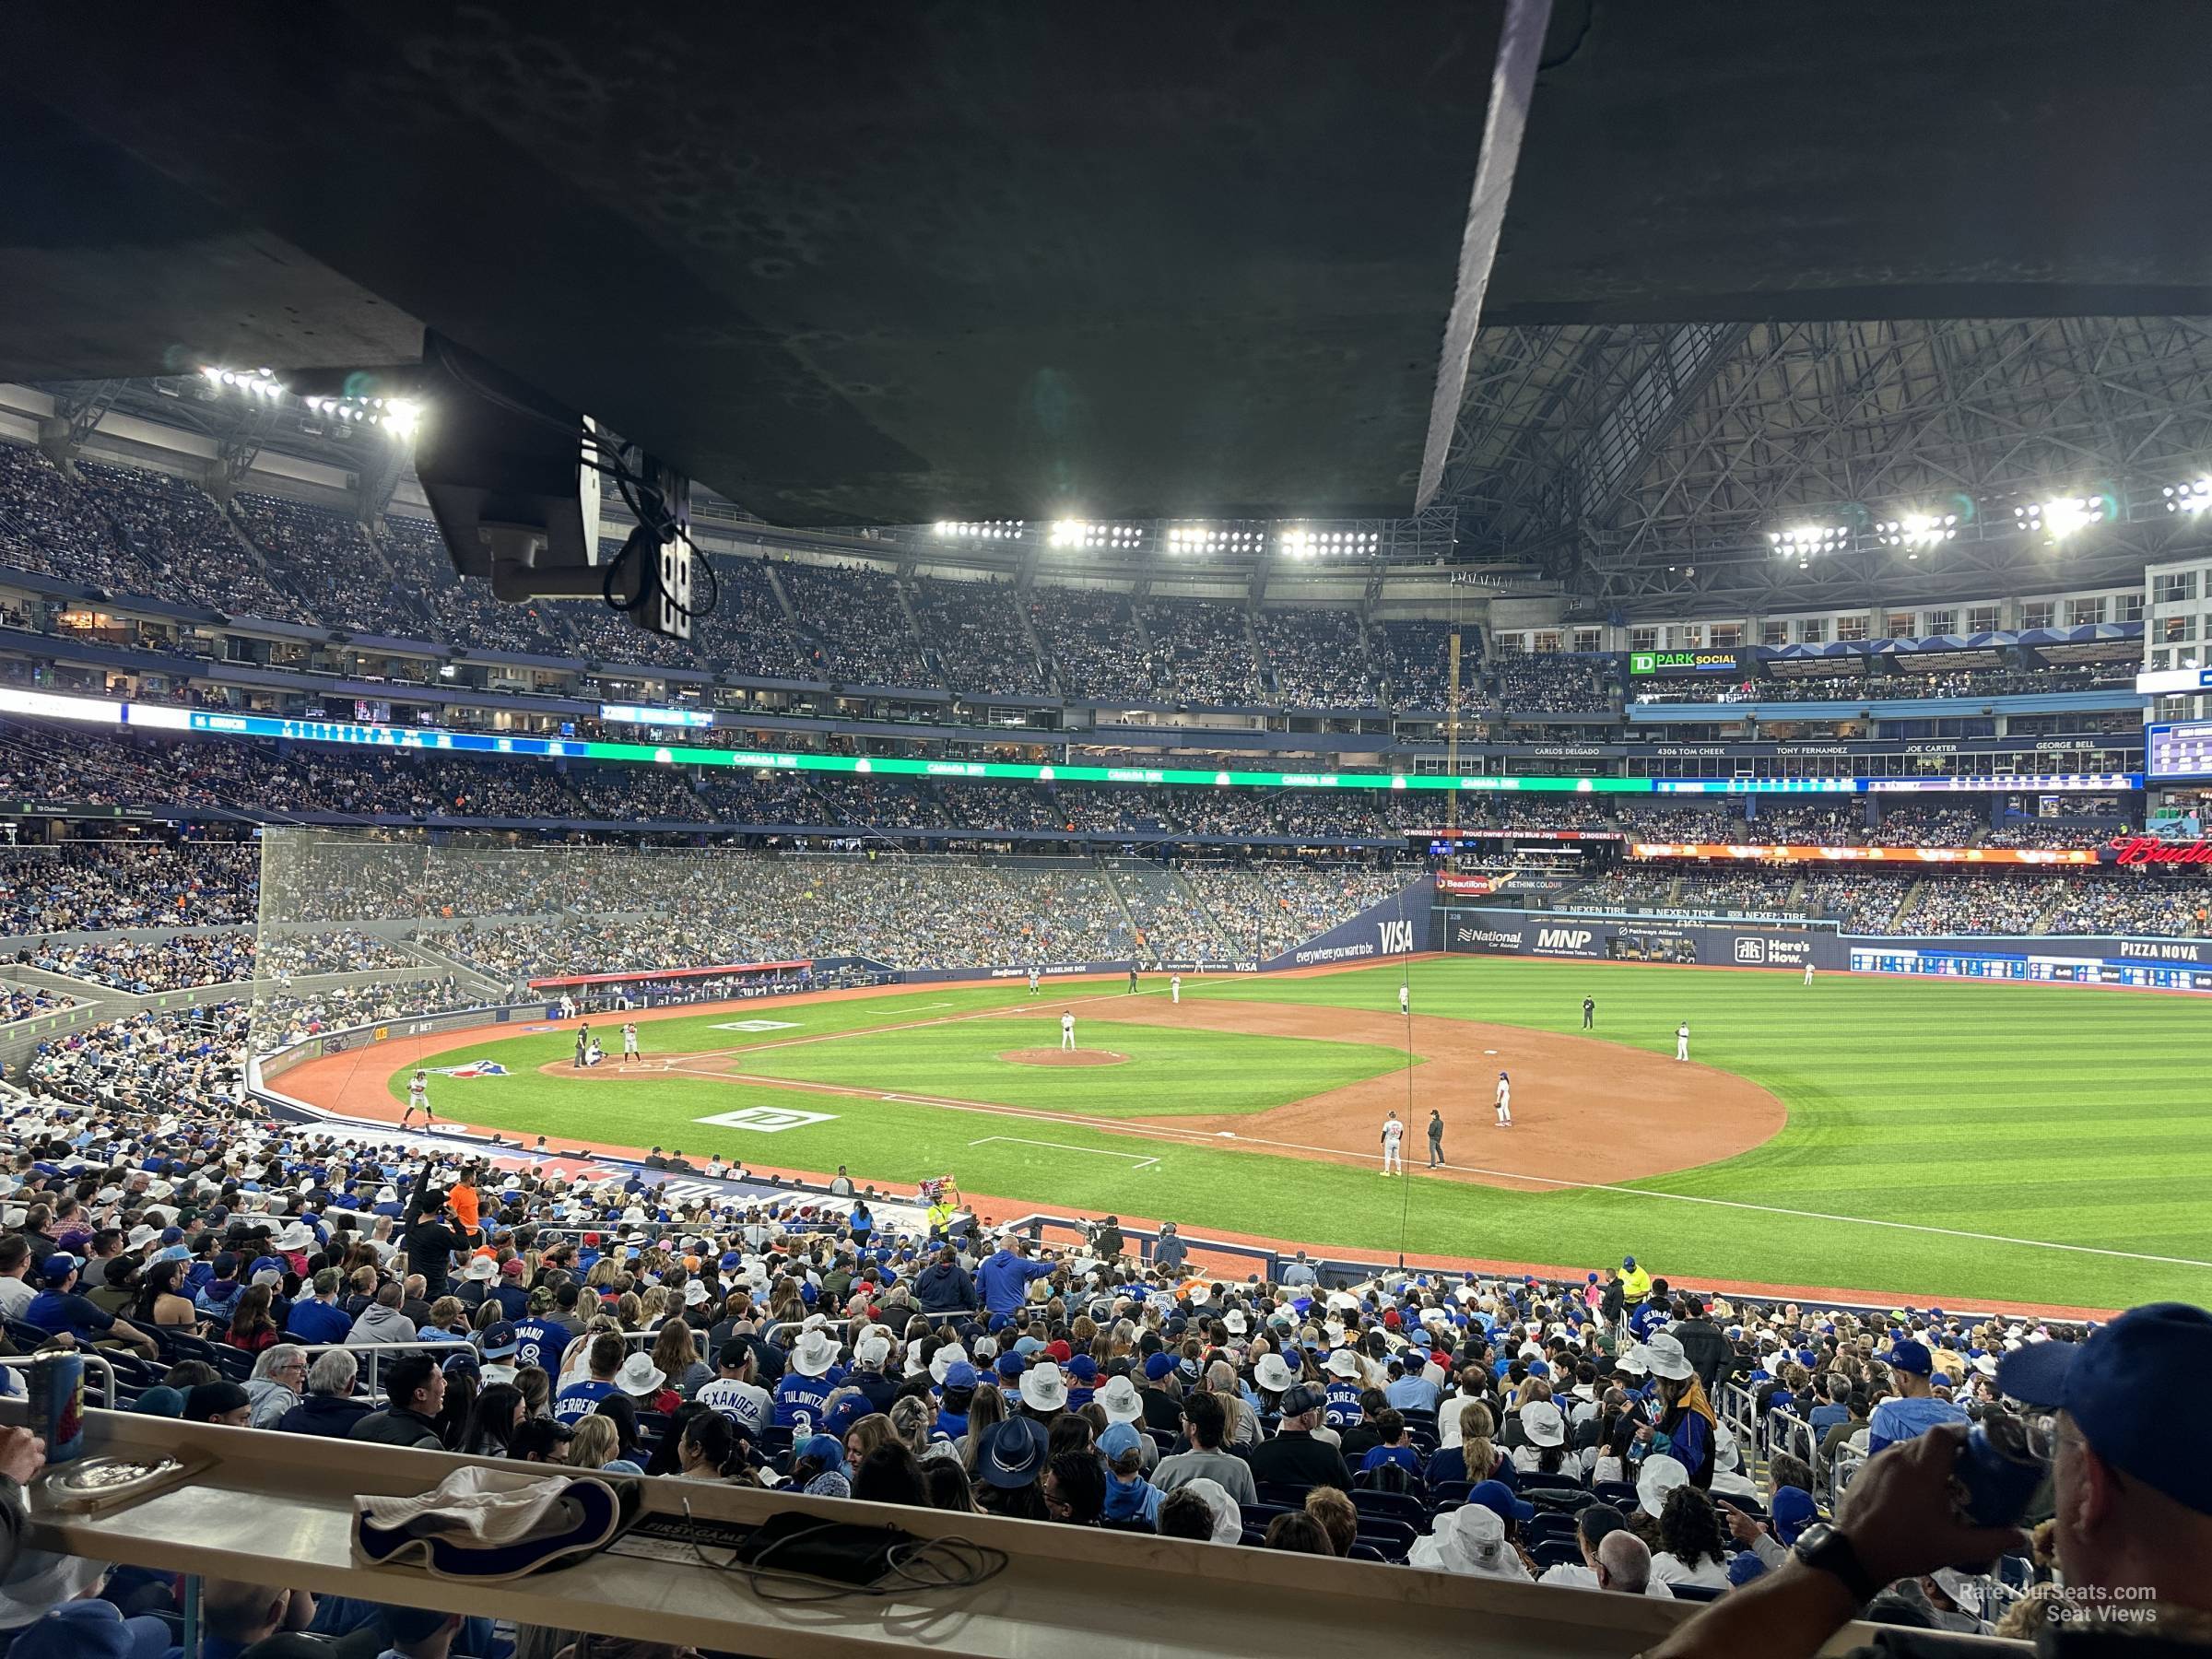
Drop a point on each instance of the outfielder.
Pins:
(1032, 981)
(1405, 998)
(1682, 1041)
(1505, 1101)
(1392, 1132)
(1174, 988)
(1068, 1030)
(1808, 973)
(418, 1098)
(1589, 1013)
(629, 1042)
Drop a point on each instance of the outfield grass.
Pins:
(2051, 1115)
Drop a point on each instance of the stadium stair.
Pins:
(1904, 907)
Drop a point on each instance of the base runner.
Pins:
(1392, 1132)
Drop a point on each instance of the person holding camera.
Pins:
(2132, 1509)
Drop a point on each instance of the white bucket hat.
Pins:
(1343, 1363)
(1541, 1422)
(1273, 1374)
(1121, 1400)
(1662, 1356)
(639, 1375)
(944, 1360)
(1471, 1539)
(1043, 1388)
(1659, 1476)
(814, 1354)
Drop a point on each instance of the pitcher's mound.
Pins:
(1063, 1057)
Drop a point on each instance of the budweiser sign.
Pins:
(2151, 850)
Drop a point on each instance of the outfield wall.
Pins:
(1406, 922)
(2133, 964)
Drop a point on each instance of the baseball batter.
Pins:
(1505, 1101)
(629, 1042)
(1068, 1030)
(1393, 1131)
(418, 1098)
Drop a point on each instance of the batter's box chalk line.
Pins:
(1138, 1161)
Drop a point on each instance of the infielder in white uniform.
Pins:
(1032, 981)
(1392, 1132)
(1682, 1041)
(630, 1043)
(1505, 1101)
(1068, 1030)
(1174, 987)
(1808, 973)
(1405, 999)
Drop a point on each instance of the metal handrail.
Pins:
(107, 1372)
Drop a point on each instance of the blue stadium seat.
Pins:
(1697, 1593)
(1620, 1494)
(1390, 1506)
(1556, 1552)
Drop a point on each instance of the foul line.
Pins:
(1015, 1140)
(1187, 1136)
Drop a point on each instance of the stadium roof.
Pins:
(1147, 260)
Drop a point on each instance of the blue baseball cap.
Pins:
(1158, 1366)
(1793, 1512)
(2110, 1384)
(1082, 1369)
(1743, 1568)
(57, 1267)
(959, 1374)
(1913, 1357)
(498, 1339)
(1010, 1364)
(1119, 1440)
(1497, 1497)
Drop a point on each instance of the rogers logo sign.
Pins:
(2151, 850)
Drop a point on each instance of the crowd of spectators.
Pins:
(1317, 658)
(1090, 637)
(1201, 652)
(100, 885)
(291, 954)
(1974, 903)
(1798, 824)
(47, 528)
(1930, 824)
(192, 553)
(2133, 902)
(464, 613)
(30, 1002)
(1622, 1433)
(1858, 898)
(975, 630)
(174, 1061)
(141, 966)
(330, 557)
(856, 613)
(1173, 923)
(2048, 833)
(1554, 683)
(1415, 661)
(1816, 688)
(291, 1017)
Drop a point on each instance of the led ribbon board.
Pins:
(216, 722)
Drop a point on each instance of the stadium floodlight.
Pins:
(1916, 531)
(2189, 498)
(1803, 542)
(978, 529)
(2063, 516)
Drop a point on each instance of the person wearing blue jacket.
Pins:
(1004, 1277)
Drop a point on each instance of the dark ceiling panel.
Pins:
(1739, 160)
(109, 268)
(876, 264)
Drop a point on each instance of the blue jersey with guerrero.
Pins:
(1340, 1409)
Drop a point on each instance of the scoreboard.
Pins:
(2180, 750)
